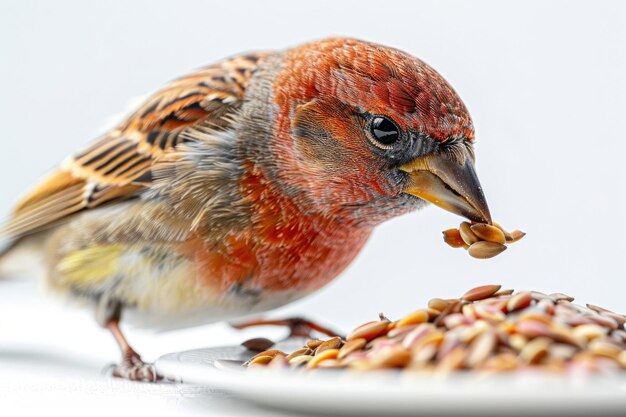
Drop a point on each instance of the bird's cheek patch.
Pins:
(325, 135)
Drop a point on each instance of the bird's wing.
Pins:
(119, 165)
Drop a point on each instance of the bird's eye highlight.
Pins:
(384, 131)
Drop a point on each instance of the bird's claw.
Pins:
(133, 368)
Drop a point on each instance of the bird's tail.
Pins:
(20, 257)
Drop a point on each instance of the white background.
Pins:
(544, 81)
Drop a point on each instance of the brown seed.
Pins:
(392, 357)
(368, 331)
(453, 238)
(351, 346)
(258, 344)
(587, 332)
(260, 360)
(533, 328)
(300, 360)
(330, 364)
(416, 317)
(485, 250)
(559, 296)
(519, 301)
(490, 314)
(517, 341)
(504, 292)
(468, 236)
(278, 361)
(454, 360)
(313, 344)
(480, 348)
(299, 352)
(438, 304)
(515, 236)
(604, 348)
(480, 293)
(507, 235)
(535, 350)
(271, 353)
(327, 354)
(333, 343)
(488, 233)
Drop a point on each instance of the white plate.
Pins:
(390, 393)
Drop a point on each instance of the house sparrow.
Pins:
(248, 184)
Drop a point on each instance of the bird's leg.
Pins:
(131, 367)
(298, 326)
(108, 314)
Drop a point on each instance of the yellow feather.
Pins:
(90, 266)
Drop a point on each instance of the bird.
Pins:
(247, 184)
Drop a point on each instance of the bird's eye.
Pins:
(384, 131)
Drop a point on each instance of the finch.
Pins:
(247, 184)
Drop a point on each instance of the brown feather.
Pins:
(120, 164)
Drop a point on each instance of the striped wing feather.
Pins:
(119, 165)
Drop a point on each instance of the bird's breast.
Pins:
(272, 260)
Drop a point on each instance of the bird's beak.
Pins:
(449, 182)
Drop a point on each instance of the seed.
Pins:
(419, 316)
(489, 314)
(519, 301)
(299, 352)
(559, 296)
(368, 331)
(487, 330)
(334, 343)
(327, 354)
(454, 320)
(516, 235)
(480, 349)
(393, 357)
(313, 344)
(587, 332)
(351, 346)
(604, 321)
(488, 233)
(468, 236)
(330, 364)
(260, 360)
(278, 361)
(533, 328)
(507, 235)
(271, 353)
(452, 361)
(438, 304)
(453, 238)
(300, 360)
(535, 350)
(480, 293)
(485, 250)
(258, 344)
(603, 348)
(416, 335)
(517, 341)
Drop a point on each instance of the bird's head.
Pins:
(374, 129)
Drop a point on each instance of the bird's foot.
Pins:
(298, 326)
(134, 368)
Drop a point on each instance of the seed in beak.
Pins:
(489, 233)
(485, 250)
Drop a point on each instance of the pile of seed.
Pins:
(481, 240)
(487, 329)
